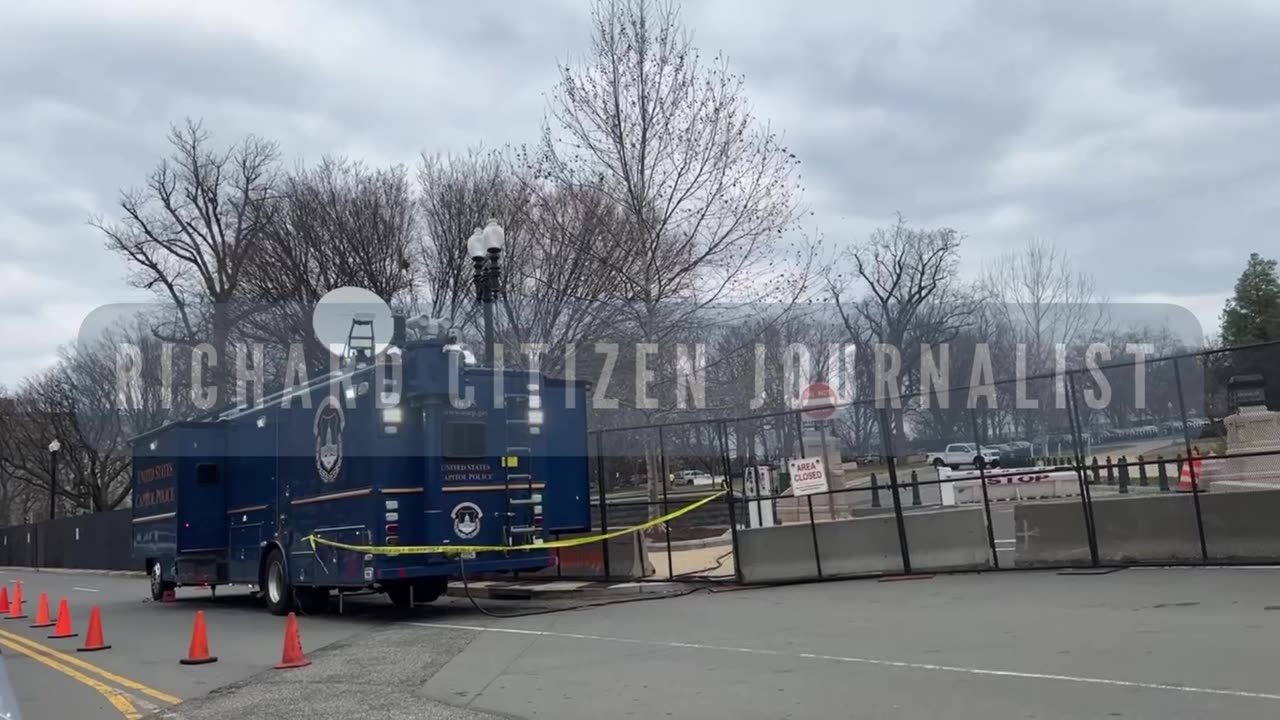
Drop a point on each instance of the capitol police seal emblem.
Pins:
(328, 432)
(466, 520)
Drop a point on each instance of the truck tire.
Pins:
(275, 584)
(399, 595)
(313, 601)
(937, 463)
(159, 586)
(424, 591)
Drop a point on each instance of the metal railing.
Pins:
(1083, 480)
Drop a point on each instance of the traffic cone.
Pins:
(64, 622)
(42, 613)
(4, 598)
(1184, 478)
(198, 654)
(15, 607)
(93, 638)
(292, 656)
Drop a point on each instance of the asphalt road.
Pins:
(1167, 644)
(147, 640)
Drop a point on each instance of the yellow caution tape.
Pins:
(549, 544)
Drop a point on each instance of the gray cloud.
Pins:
(1139, 135)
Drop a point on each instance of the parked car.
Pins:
(958, 455)
(693, 477)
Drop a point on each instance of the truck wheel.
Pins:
(399, 594)
(313, 601)
(275, 586)
(430, 590)
(937, 463)
(158, 585)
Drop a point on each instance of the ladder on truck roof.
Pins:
(517, 465)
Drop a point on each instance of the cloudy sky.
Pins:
(1140, 136)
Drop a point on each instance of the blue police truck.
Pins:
(464, 456)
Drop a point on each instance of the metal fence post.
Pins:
(604, 504)
(728, 481)
(813, 526)
(1086, 495)
(915, 488)
(662, 458)
(1186, 439)
(875, 491)
(982, 481)
(891, 462)
(1124, 475)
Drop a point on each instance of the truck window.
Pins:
(206, 474)
(464, 439)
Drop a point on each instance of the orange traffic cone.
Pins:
(292, 656)
(198, 654)
(93, 638)
(42, 613)
(15, 607)
(64, 622)
(4, 598)
(1184, 478)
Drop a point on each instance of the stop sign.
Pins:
(819, 401)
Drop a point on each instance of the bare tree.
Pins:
(704, 191)
(1039, 301)
(192, 231)
(912, 299)
(456, 195)
(336, 224)
(1044, 301)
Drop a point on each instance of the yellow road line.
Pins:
(113, 696)
(73, 660)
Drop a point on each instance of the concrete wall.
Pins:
(938, 540)
(1238, 527)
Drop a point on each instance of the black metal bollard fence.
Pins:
(875, 492)
(1097, 471)
(1111, 473)
(1124, 475)
(915, 488)
(1142, 472)
(1162, 474)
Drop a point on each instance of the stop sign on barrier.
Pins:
(819, 401)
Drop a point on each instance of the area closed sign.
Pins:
(808, 476)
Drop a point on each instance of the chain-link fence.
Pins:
(1174, 460)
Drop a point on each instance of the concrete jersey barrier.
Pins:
(1239, 527)
(950, 539)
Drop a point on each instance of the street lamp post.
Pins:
(54, 447)
(485, 248)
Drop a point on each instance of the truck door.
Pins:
(202, 519)
(471, 505)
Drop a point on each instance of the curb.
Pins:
(73, 571)
(559, 589)
(720, 540)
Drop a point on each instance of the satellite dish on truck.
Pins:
(353, 322)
